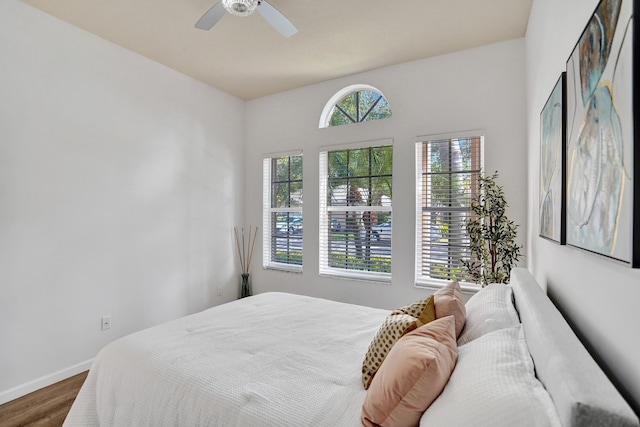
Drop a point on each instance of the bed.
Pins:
(278, 359)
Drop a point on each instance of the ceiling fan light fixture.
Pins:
(240, 7)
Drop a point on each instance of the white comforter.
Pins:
(270, 360)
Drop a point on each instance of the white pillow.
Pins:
(493, 384)
(490, 309)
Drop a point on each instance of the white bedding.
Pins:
(283, 360)
(274, 359)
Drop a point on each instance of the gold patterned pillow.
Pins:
(398, 323)
(415, 309)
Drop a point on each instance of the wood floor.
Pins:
(47, 407)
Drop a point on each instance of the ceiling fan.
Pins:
(246, 8)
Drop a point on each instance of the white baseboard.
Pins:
(37, 384)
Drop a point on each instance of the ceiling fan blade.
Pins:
(277, 19)
(211, 17)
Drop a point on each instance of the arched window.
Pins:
(355, 104)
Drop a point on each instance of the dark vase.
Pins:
(245, 287)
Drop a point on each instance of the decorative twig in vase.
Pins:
(245, 253)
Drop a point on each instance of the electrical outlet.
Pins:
(106, 322)
(219, 291)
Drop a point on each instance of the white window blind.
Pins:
(447, 172)
(282, 223)
(355, 212)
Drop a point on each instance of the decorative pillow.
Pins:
(412, 376)
(493, 384)
(450, 302)
(490, 309)
(424, 311)
(415, 309)
(398, 323)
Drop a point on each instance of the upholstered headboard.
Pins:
(582, 393)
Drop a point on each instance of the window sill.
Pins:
(436, 284)
(287, 268)
(357, 275)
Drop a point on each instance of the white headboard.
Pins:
(582, 393)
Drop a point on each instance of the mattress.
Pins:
(274, 359)
(283, 360)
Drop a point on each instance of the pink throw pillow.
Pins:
(412, 376)
(450, 302)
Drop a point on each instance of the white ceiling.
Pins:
(248, 58)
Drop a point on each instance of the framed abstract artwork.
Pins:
(603, 198)
(552, 164)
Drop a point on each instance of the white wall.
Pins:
(119, 187)
(598, 295)
(475, 89)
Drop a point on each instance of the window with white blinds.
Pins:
(355, 211)
(447, 172)
(282, 212)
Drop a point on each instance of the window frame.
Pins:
(421, 280)
(267, 210)
(329, 108)
(325, 270)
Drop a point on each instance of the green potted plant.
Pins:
(494, 250)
